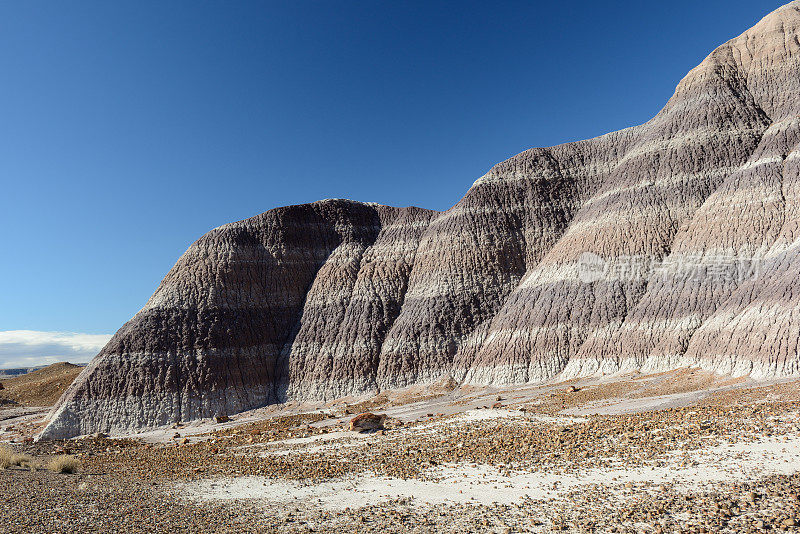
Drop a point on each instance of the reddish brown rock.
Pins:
(367, 421)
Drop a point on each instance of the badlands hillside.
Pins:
(661, 246)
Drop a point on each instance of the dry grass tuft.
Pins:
(63, 464)
(9, 458)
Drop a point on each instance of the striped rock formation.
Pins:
(672, 243)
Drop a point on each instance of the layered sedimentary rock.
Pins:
(672, 243)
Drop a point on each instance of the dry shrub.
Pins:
(63, 463)
(9, 458)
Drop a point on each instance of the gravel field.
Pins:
(576, 458)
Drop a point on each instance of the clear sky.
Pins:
(129, 129)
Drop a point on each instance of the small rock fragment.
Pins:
(367, 421)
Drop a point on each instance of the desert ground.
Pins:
(684, 451)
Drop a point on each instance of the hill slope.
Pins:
(667, 244)
(41, 387)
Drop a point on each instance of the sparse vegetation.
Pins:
(63, 463)
(10, 458)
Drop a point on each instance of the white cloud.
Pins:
(29, 348)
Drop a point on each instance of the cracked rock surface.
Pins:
(692, 221)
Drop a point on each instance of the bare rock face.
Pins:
(672, 243)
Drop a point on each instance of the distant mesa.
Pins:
(673, 243)
(10, 373)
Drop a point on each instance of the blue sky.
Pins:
(127, 130)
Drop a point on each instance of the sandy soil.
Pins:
(731, 462)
